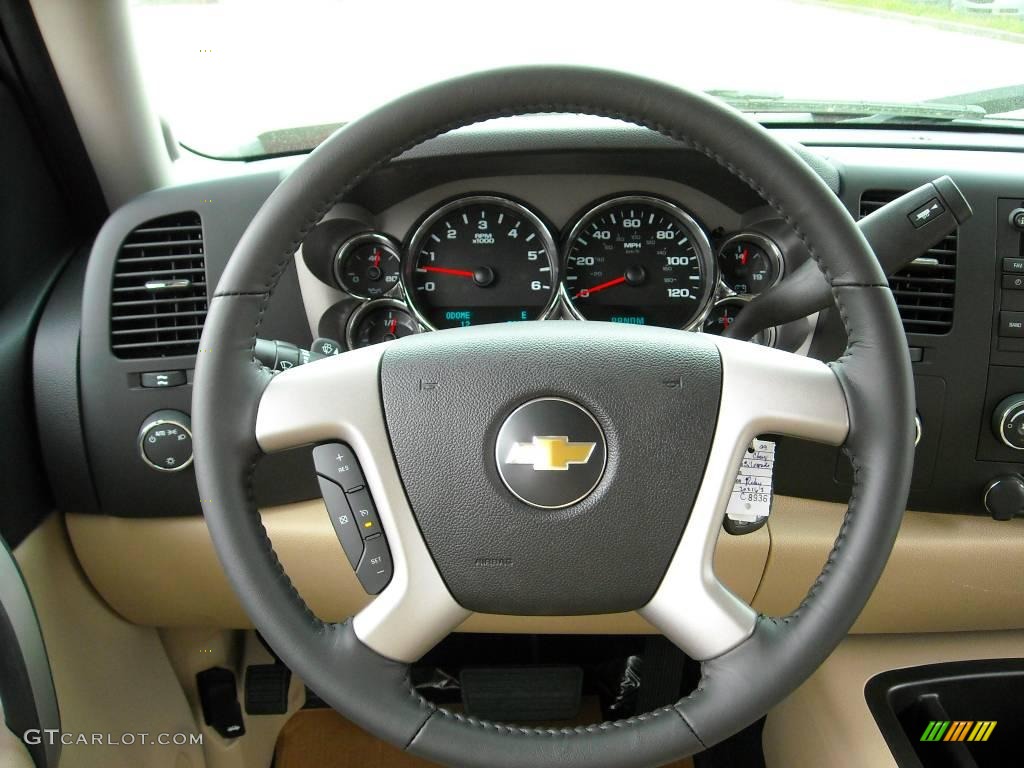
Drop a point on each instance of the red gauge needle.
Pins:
(376, 258)
(587, 292)
(446, 271)
(392, 326)
(743, 257)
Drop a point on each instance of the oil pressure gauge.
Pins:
(368, 265)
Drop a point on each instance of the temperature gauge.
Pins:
(368, 266)
(379, 321)
(724, 312)
(749, 263)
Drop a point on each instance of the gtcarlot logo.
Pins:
(51, 736)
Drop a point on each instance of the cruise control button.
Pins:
(375, 568)
(364, 512)
(338, 462)
(343, 521)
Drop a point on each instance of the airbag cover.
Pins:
(653, 392)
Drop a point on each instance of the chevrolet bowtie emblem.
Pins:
(550, 453)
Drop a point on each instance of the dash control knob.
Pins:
(1008, 422)
(165, 441)
(1004, 497)
(1017, 219)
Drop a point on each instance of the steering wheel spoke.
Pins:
(764, 391)
(338, 398)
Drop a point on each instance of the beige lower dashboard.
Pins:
(946, 573)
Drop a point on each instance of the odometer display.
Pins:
(639, 260)
(481, 259)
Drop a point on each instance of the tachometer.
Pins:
(481, 259)
(639, 260)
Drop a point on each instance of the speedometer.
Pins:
(481, 259)
(639, 260)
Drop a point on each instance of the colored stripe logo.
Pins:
(958, 730)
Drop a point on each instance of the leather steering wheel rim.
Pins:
(737, 686)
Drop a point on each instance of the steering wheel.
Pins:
(666, 414)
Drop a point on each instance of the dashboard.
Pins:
(521, 220)
(484, 256)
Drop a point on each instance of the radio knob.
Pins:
(1004, 497)
(1017, 219)
(1008, 422)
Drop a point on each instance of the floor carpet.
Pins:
(321, 738)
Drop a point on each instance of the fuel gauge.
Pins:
(749, 263)
(724, 312)
(379, 321)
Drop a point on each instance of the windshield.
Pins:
(245, 78)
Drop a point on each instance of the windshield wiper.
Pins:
(995, 101)
(850, 111)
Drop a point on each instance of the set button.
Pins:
(375, 568)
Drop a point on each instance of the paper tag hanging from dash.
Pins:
(751, 498)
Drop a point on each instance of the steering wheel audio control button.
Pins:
(337, 462)
(364, 512)
(375, 568)
(344, 522)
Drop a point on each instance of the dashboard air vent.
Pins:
(924, 289)
(159, 296)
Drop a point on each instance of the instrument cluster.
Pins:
(489, 258)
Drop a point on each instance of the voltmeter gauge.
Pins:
(749, 263)
(368, 266)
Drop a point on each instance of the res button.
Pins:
(338, 462)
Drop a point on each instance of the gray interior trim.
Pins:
(92, 51)
(764, 391)
(555, 132)
(338, 398)
(17, 609)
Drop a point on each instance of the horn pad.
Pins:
(552, 466)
